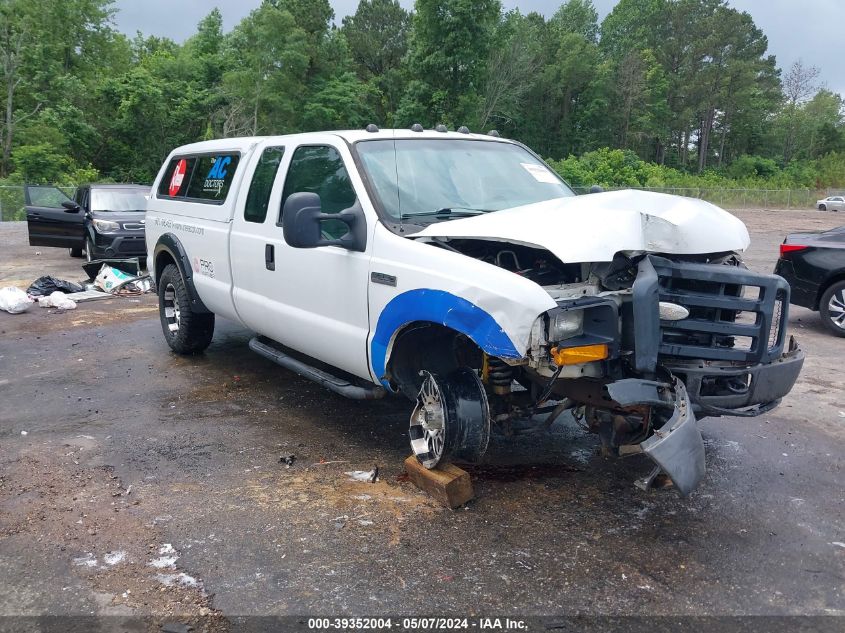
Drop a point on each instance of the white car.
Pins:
(831, 203)
(459, 270)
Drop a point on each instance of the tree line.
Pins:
(686, 86)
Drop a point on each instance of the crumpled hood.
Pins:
(593, 228)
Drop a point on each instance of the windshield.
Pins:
(426, 180)
(119, 199)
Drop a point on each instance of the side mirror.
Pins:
(596, 189)
(302, 218)
(70, 206)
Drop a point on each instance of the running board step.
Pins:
(327, 380)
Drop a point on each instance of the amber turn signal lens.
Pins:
(578, 355)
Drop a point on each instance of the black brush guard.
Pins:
(729, 367)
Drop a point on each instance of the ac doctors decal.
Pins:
(178, 177)
(216, 178)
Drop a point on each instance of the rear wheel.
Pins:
(185, 331)
(832, 308)
(451, 418)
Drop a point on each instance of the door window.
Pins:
(46, 197)
(320, 170)
(262, 183)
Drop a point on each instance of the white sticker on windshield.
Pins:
(540, 173)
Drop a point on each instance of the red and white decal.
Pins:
(178, 177)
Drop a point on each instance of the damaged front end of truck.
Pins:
(636, 350)
(698, 337)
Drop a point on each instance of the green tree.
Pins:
(377, 35)
(267, 58)
(450, 47)
(515, 58)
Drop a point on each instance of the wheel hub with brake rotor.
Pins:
(451, 418)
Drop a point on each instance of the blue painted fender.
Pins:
(444, 308)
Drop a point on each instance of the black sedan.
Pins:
(814, 266)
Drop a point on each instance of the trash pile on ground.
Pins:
(106, 278)
(47, 285)
(14, 300)
(57, 299)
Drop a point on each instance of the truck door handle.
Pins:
(270, 256)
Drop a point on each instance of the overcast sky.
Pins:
(807, 29)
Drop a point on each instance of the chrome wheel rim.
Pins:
(428, 424)
(172, 312)
(836, 309)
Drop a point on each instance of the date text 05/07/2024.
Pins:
(416, 624)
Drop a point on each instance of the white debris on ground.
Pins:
(363, 475)
(168, 580)
(167, 557)
(167, 560)
(89, 560)
(114, 558)
(14, 300)
(58, 300)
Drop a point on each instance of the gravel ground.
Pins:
(137, 483)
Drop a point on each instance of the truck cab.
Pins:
(459, 270)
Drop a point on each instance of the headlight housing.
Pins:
(565, 324)
(106, 226)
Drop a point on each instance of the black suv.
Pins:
(102, 220)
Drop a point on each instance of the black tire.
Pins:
(75, 251)
(832, 308)
(451, 419)
(186, 332)
(822, 207)
(89, 249)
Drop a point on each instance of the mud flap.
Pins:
(677, 447)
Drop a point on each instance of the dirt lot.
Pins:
(135, 482)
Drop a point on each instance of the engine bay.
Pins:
(535, 264)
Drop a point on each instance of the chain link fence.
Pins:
(740, 198)
(12, 200)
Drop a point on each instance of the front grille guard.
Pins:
(718, 332)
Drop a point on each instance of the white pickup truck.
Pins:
(459, 270)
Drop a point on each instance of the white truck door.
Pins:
(311, 300)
